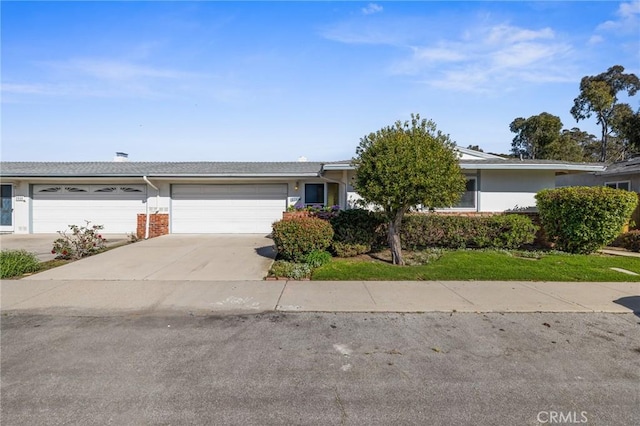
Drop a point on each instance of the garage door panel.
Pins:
(54, 207)
(246, 208)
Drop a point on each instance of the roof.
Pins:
(630, 166)
(160, 169)
(501, 163)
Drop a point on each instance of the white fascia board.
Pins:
(554, 167)
(338, 167)
(236, 175)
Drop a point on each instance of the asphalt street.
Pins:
(321, 369)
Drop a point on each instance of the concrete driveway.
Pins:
(174, 258)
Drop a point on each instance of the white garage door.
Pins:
(114, 206)
(226, 209)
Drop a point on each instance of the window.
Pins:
(468, 200)
(323, 194)
(626, 185)
(314, 193)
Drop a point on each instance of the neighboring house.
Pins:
(229, 197)
(621, 175)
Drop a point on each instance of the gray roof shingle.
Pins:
(138, 169)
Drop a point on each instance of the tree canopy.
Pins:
(599, 96)
(534, 135)
(404, 165)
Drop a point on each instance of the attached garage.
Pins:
(222, 209)
(116, 207)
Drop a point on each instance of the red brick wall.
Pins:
(158, 225)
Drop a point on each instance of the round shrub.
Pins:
(583, 219)
(297, 237)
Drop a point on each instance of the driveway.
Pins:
(174, 258)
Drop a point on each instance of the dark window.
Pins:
(468, 199)
(618, 185)
(314, 193)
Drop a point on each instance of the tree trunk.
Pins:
(394, 237)
(605, 134)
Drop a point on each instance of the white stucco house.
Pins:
(230, 197)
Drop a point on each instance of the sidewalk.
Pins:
(234, 297)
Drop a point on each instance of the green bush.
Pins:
(297, 237)
(630, 240)
(583, 219)
(83, 241)
(355, 231)
(349, 250)
(317, 258)
(296, 271)
(14, 263)
(432, 230)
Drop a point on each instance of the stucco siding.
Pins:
(502, 190)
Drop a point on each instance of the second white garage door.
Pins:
(226, 209)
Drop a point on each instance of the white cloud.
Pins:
(490, 59)
(371, 9)
(596, 39)
(501, 34)
(627, 19)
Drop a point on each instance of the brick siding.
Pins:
(158, 225)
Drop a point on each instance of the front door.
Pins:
(6, 208)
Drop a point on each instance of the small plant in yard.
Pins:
(14, 263)
(133, 237)
(424, 257)
(81, 242)
(296, 271)
(317, 258)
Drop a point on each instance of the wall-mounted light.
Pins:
(297, 186)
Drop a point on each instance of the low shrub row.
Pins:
(357, 231)
(501, 231)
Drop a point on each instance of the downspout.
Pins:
(146, 225)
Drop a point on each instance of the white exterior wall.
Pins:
(502, 190)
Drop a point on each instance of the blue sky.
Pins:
(273, 81)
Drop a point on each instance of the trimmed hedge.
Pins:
(501, 231)
(295, 238)
(355, 231)
(583, 219)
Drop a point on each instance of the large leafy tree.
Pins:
(599, 96)
(534, 135)
(404, 165)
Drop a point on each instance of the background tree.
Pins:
(599, 96)
(534, 135)
(626, 126)
(475, 148)
(404, 165)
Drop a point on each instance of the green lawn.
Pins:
(486, 265)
